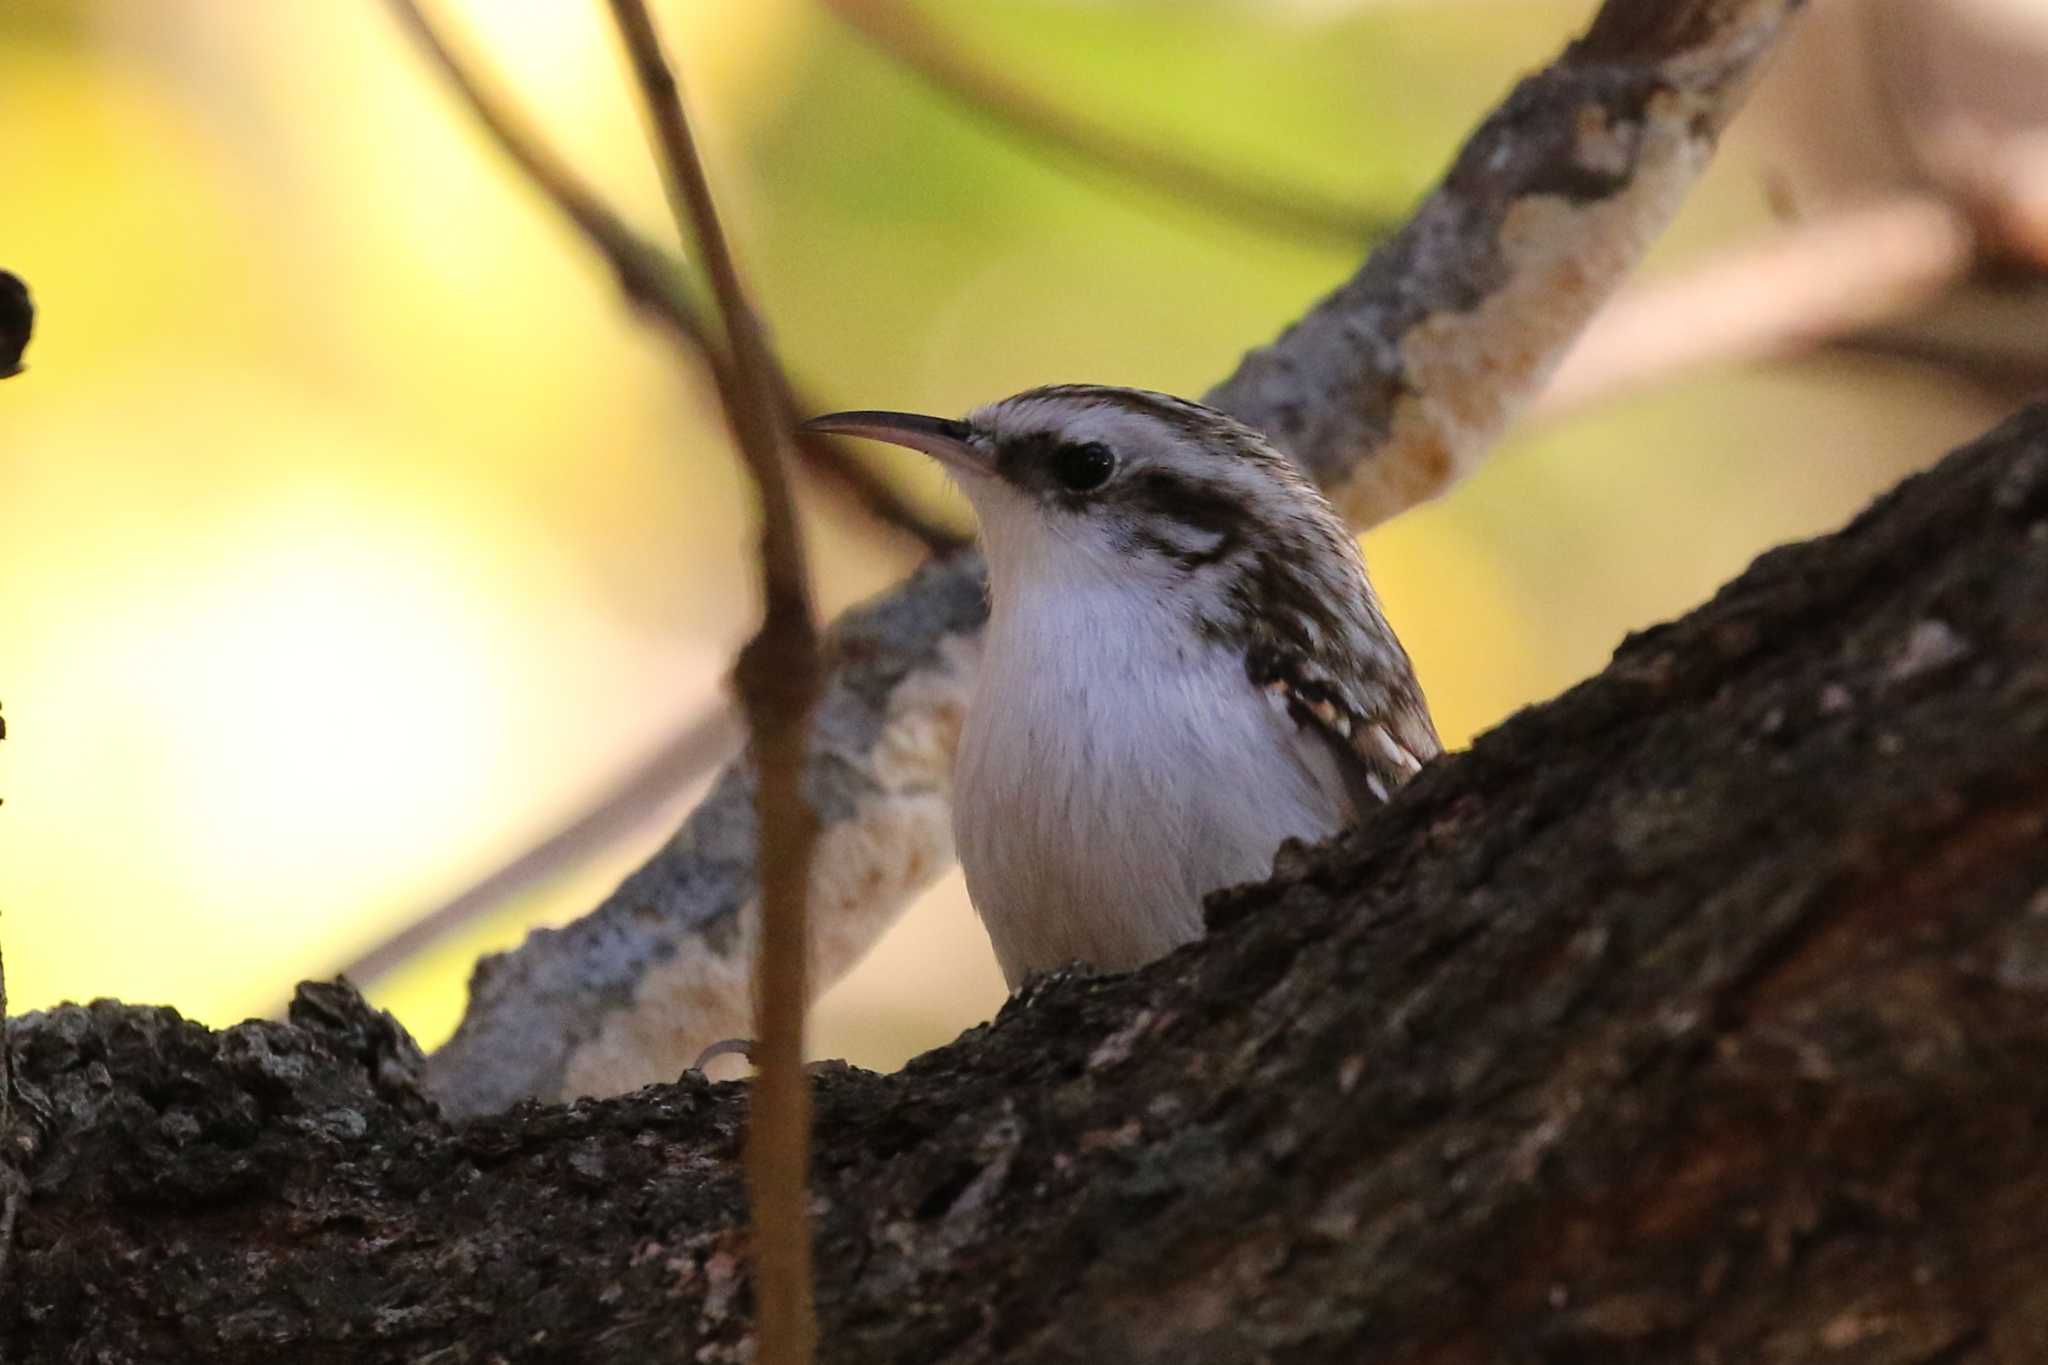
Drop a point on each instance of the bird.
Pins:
(1184, 667)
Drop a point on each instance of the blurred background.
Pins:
(353, 536)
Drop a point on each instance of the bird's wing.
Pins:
(1369, 740)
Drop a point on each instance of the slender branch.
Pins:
(704, 741)
(2002, 369)
(901, 33)
(778, 679)
(1819, 281)
(654, 280)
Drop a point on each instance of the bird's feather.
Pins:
(1361, 752)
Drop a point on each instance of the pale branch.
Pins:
(1387, 391)
(905, 36)
(1816, 283)
(1694, 1015)
(1396, 385)
(778, 682)
(703, 742)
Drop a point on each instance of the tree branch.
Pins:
(1694, 1015)
(903, 35)
(703, 742)
(1387, 392)
(778, 684)
(1816, 283)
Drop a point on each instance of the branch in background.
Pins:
(1988, 339)
(703, 742)
(1398, 384)
(655, 282)
(1891, 279)
(778, 683)
(898, 31)
(1387, 392)
(17, 321)
(1820, 281)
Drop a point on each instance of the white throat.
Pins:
(1115, 766)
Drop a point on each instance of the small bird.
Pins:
(1184, 667)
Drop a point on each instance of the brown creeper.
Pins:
(1184, 667)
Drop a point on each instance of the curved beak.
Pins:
(949, 442)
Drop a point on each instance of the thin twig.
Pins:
(1812, 284)
(654, 280)
(705, 741)
(902, 34)
(778, 678)
(1995, 380)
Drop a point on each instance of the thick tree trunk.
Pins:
(1701, 1014)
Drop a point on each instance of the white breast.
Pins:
(1115, 768)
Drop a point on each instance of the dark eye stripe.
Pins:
(1190, 502)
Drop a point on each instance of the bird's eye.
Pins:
(1082, 467)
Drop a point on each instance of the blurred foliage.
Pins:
(353, 534)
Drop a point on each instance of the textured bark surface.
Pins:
(1700, 1014)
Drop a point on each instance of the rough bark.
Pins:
(1700, 1014)
(1387, 391)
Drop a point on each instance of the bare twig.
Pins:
(1814, 283)
(654, 280)
(1999, 367)
(778, 679)
(902, 34)
(704, 741)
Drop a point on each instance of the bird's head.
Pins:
(1076, 485)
